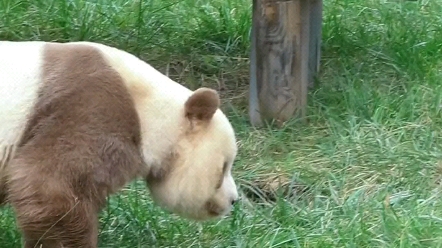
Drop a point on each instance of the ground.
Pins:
(364, 170)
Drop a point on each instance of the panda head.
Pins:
(196, 181)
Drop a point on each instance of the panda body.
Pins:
(80, 120)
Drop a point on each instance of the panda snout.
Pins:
(234, 200)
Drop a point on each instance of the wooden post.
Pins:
(279, 60)
(315, 39)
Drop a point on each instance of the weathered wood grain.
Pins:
(279, 60)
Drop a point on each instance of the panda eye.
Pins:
(225, 167)
(221, 178)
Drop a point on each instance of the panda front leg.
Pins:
(49, 212)
(67, 242)
(36, 244)
(79, 229)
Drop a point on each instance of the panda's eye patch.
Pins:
(221, 178)
(225, 167)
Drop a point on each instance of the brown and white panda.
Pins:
(80, 120)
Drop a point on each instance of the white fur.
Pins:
(20, 69)
(161, 110)
(160, 104)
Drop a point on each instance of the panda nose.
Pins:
(234, 201)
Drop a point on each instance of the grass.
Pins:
(365, 171)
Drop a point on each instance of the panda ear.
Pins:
(202, 105)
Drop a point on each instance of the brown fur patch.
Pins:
(2, 194)
(202, 105)
(81, 144)
(5, 158)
